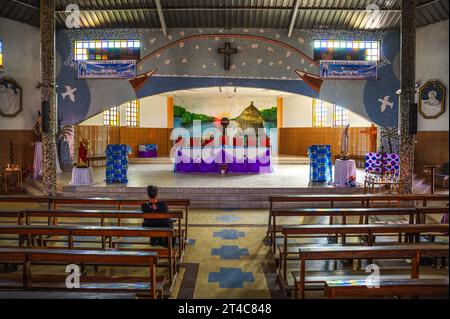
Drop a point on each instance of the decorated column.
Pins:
(408, 79)
(47, 19)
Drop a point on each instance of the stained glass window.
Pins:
(340, 116)
(1, 53)
(107, 50)
(319, 113)
(346, 50)
(111, 117)
(132, 113)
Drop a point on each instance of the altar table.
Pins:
(82, 176)
(213, 159)
(343, 170)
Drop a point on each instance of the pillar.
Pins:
(408, 79)
(170, 112)
(280, 121)
(47, 23)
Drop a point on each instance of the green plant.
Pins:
(64, 132)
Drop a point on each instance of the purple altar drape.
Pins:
(210, 160)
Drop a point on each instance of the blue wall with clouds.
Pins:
(188, 59)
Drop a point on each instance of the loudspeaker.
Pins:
(44, 112)
(413, 118)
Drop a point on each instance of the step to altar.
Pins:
(204, 197)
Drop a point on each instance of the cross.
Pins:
(227, 51)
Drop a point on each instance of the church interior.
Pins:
(228, 149)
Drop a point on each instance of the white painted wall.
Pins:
(432, 64)
(153, 113)
(297, 112)
(21, 59)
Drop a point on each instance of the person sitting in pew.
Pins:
(155, 206)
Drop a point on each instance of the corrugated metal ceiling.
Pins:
(337, 14)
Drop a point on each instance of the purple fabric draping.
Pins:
(237, 160)
(37, 162)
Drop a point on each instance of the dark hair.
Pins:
(152, 191)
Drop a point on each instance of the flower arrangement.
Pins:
(351, 182)
(28, 172)
(223, 168)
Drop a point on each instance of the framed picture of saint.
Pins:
(432, 99)
(10, 98)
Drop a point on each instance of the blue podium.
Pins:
(321, 166)
(117, 163)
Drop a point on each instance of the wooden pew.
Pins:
(26, 199)
(27, 257)
(12, 214)
(363, 213)
(345, 230)
(387, 288)
(363, 200)
(110, 214)
(422, 212)
(56, 202)
(411, 251)
(120, 203)
(13, 295)
(27, 233)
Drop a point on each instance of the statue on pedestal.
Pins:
(344, 143)
(83, 153)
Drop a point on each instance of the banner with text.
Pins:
(349, 70)
(113, 69)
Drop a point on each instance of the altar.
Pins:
(226, 159)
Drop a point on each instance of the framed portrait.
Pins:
(10, 98)
(432, 99)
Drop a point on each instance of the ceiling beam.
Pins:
(161, 17)
(247, 8)
(28, 5)
(294, 18)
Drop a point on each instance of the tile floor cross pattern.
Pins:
(231, 277)
(227, 218)
(229, 252)
(229, 234)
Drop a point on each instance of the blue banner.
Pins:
(113, 69)
(349, 70)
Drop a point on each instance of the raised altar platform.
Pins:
(208, 190)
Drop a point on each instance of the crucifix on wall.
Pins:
(227, 52)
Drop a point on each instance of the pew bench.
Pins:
(27, 238)
(387, 288)
(411, 251)
(58, 202)
(289, 251)
(364, 201)
(28, 257)
(344, 213)
(103, 215)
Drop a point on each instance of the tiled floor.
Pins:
(227, 256)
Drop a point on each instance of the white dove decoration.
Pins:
(70, 93)
(385, 103)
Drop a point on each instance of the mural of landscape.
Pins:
(243, 112)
